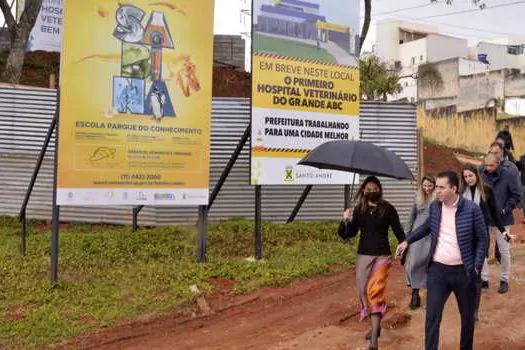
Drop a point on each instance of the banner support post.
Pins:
(56, 209)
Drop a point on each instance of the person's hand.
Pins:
(508, 237)
(477, 271)
(401, 249)
(347, 215)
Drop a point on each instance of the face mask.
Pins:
(372, 196)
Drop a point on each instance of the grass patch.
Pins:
(108, 274)
(290, 48)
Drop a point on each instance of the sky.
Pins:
(500, 18)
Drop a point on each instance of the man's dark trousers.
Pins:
(443, 280)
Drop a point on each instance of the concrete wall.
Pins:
(442, 47)
(476, 90)
(515, 86)
(449, 73)
(229, 50)
(469, 66)
(474, 132)
(471, 131)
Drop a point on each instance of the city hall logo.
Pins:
(141, 196)
(288, 174)
(164, 196)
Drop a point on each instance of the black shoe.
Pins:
(416, 300)
(503, 287)
(369, 334)
(485, 284)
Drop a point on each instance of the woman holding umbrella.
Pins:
(419, 253)
(372, 217)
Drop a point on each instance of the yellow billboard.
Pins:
(135, 102)
(305, 87)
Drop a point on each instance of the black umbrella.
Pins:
(358, 157)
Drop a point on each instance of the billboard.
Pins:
(135, 103)
(46, 34)
(305, 86)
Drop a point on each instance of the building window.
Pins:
(413, 60)
(421, 58)
(515, 49)
(406, 84)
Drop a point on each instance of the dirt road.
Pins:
(321, 313)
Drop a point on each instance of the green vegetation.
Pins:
(377, 79)
(107, 274)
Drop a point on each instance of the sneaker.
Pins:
(503, 287)
(485, 284)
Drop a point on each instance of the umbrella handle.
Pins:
(352, 190)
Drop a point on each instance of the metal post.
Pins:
(229, 166)
(299, 203)
(56, 208)
(202, 233)
(420, 153)
(36, 170)
(347, 196)
(351, 190)
(136, 211)
(23, 246)
(258, 223)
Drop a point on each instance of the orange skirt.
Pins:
(371, 275)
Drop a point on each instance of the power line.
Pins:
(480, 30)
(474, 10)
(410, 8)
(403, 9)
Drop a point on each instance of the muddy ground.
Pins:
(322, 313)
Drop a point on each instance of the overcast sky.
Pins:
(499, 19)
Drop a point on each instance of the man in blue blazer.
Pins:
(459, 242)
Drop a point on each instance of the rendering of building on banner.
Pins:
(304, 23)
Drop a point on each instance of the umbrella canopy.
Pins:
(358, 157)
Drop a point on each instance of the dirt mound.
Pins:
(439, 158)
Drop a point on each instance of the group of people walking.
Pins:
(455, 219)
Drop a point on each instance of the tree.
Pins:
(368, 16)
(377, 80)
(19, 33)
(366, 23)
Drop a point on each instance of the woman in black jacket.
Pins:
(372, 218)
(482, 194)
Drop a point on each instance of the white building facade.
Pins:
(501, 53)
(405, 46)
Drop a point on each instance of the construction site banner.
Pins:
(135, 103)
(46, 34)
(305, 86)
